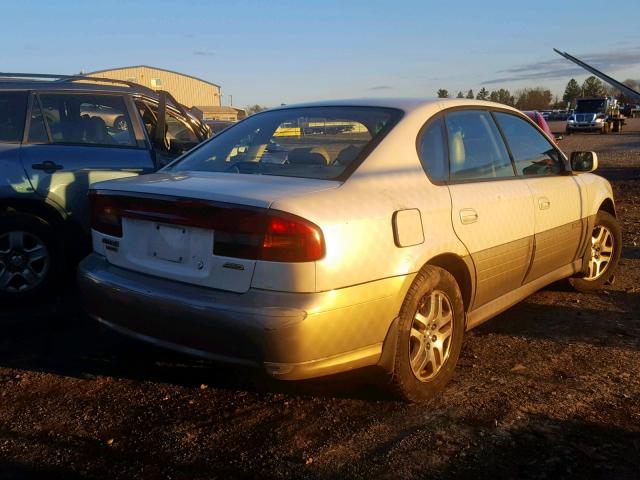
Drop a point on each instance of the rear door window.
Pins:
(13, 110)
(532, 152)
(476, 149)
(81, 119)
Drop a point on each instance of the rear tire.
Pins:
(606, 245)
(30, 259)
(430, 331)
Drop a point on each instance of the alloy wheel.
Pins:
(602, 246)
(24, 261)
(430, 335)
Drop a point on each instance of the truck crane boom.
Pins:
(627, 91)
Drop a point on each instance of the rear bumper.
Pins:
(292, 335)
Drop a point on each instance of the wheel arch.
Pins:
(43, 211)
(608, 206)
(463, 272)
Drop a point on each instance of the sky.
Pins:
(274, 52)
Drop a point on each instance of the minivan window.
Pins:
(13, 108)
(532, 153)
(37, 128)
(432, 151)
(312, 142)
(476, 149)
(87, 119)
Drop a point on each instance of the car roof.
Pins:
(77, 86)
(405, 104)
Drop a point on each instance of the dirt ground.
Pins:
(549, 389)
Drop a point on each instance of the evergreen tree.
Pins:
(572, 91)
(470, 94)
(443, 93)
(483, 94)
(593, 87)
(460, 95)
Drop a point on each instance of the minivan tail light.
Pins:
(239, 231)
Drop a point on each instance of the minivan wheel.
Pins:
(606, 246)
(431, 327)
(120, 123)
(28, 258)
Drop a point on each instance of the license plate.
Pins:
(170, 243)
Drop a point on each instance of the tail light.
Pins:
(239, 231)
(106, 214)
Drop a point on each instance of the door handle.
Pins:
(468, 215)
(544, 203)
(47, 166)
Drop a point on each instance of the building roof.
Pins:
(216, 109)
(153, 68)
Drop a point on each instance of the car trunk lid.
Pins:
(187, 227)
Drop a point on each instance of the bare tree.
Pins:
(251, 109)
(537, 98)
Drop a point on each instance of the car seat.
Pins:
(95, 131)
(308, 156)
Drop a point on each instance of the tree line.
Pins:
(541, 98)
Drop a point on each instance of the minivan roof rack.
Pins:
(73, 78)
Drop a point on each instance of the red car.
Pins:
(542, 123)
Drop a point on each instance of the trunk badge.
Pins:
(233, 266)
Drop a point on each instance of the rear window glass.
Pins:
(82, 119)
(13, 108)
(314, 142)
(476, 149)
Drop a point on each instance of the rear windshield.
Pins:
(314, 142)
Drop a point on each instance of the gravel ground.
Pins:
(549, 388)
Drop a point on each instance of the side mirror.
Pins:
(584, 161)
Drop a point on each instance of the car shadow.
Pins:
(583, 321)
(544, 447)
(59, 338)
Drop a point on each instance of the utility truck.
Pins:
(596, 114)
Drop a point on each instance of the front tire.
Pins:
(430, 331)
(30, 259)
(606, 247)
